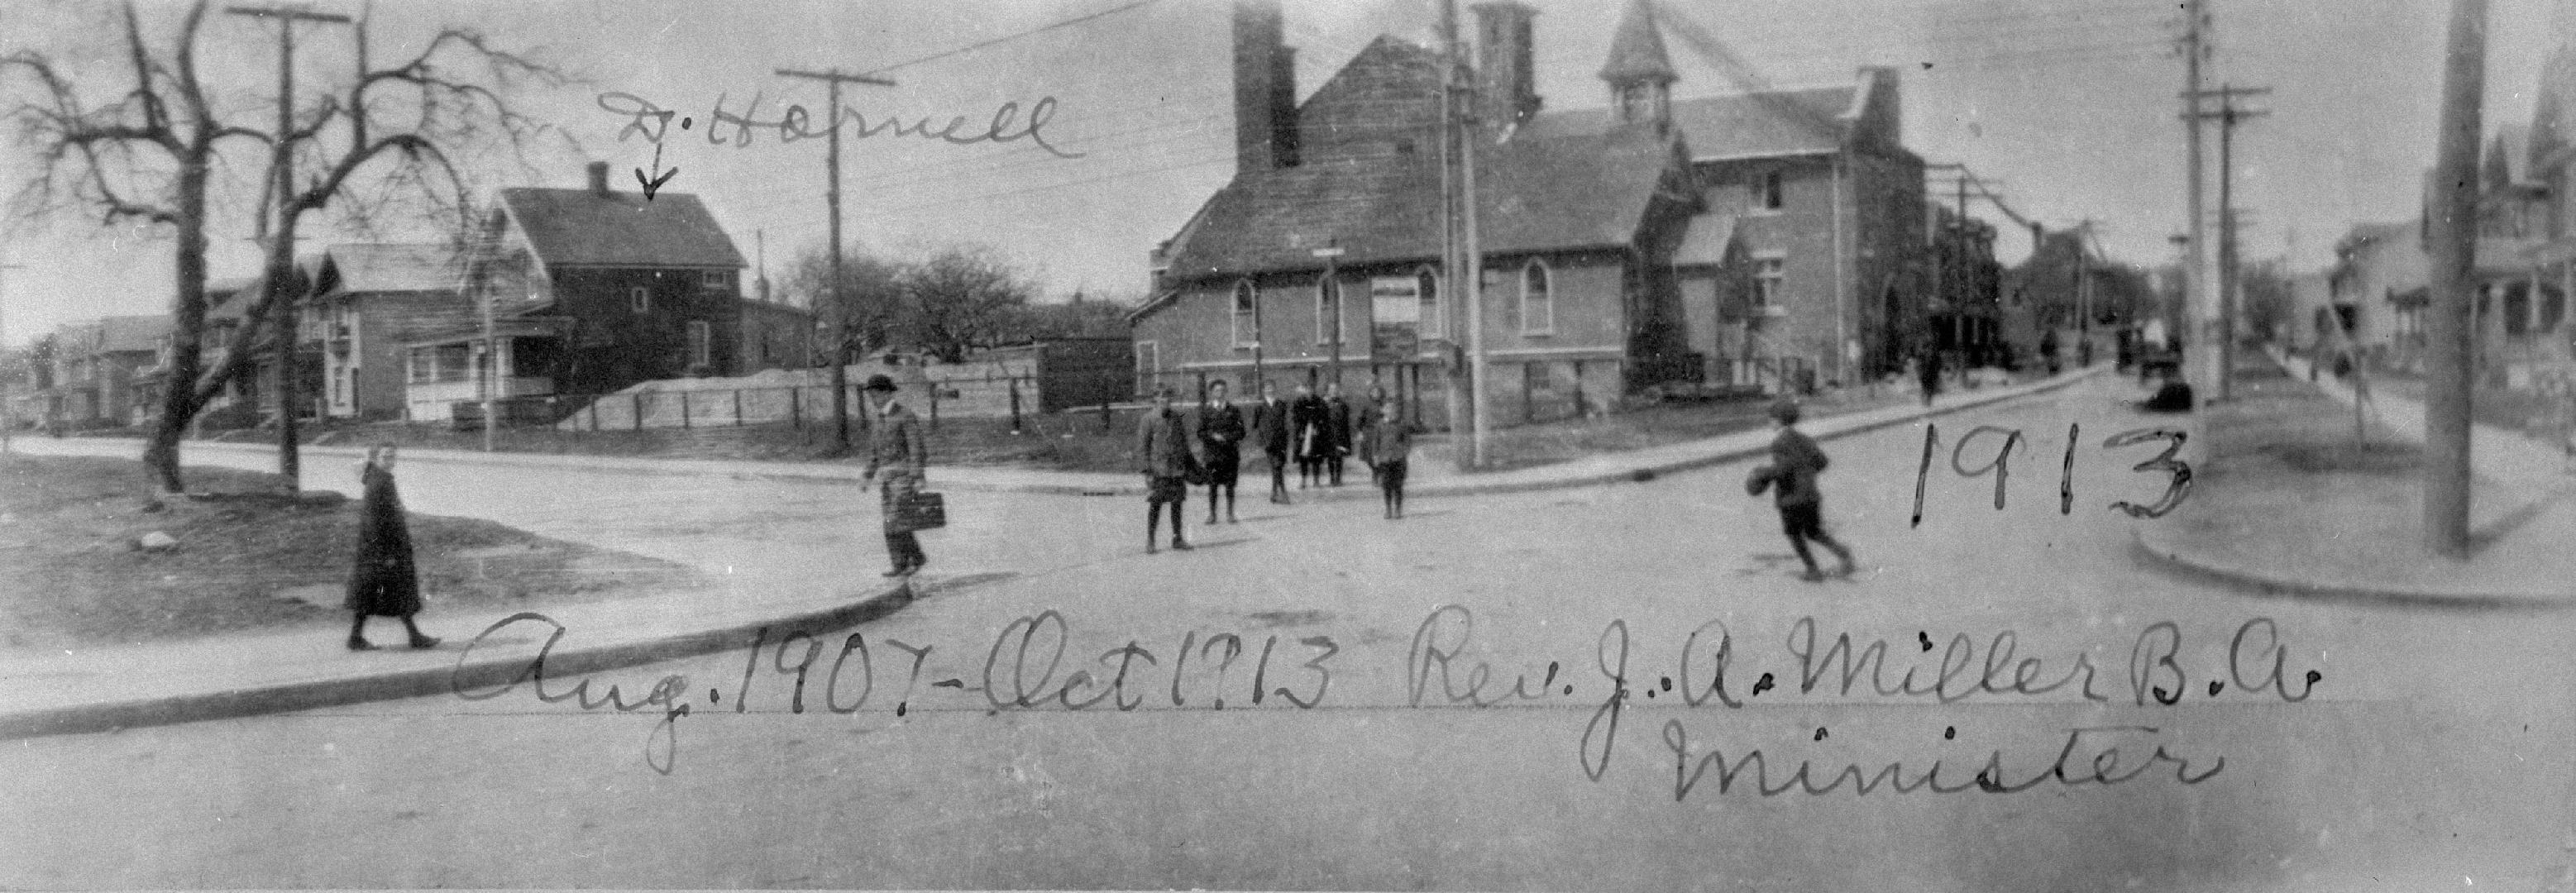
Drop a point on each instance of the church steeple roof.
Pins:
(1637, 50)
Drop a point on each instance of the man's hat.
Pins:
(1785, 411)
(879, 383)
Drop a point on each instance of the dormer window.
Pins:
(1769, 194)
(715, 280)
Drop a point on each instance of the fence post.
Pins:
(1104, 415)
(1529, 405)
(1015, 404)
(737, 407)
(639, 409)
(684, 410)
(796, 407)
(594, 416)
(934, 407)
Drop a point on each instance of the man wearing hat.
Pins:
(895, 447)
(1795, 463)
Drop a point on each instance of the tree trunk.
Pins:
(179, 403)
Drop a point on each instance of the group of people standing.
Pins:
(1317, 433)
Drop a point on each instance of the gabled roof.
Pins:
(120, 334)
(392, 267)
(1563, 193)
(1637, 50)
(576, 227)
(1705, 242)
(1744, 125)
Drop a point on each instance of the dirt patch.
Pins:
(244, 556)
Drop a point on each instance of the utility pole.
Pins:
(8, 406)
(2208, 369)
(1471, 269)
(1453, 380)
(1332, 291)
(283, 166)
(478, 280)
(2448, 336)
(832, 81)
(2227, 116)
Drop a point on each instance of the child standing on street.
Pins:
(1384, 449)
(1791, 476)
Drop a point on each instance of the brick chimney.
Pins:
(1506, 86)
(599, 179)
(1265, 89)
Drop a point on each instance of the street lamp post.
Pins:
(1332, 290)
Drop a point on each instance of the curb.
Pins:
(110, 716)
(2158, 551)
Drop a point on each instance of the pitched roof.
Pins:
(1704, 243)
(1571, 192)
(575, 227)
(1637, 50)
(394, 267)
(118, 334)
(1777, 122)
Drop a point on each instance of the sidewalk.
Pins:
(2316, 532)
(109, 688)
(1429, 479)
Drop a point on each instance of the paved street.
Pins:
(2002, 656)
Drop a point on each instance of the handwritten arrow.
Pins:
(655, 184)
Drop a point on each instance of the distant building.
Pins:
(2377, 290)
(774, 336)
(595, 290)
(1648, 241)
(369, 301)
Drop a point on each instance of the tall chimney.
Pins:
(599, 178)
(1506, 89)
(1265, 89)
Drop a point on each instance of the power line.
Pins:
(1011, 37)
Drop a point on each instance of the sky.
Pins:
(2069, 105)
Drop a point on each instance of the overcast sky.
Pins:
(2070, 104)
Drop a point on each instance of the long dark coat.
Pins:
(1310, 425)
(386, 583)
(1338, 429)
(1270, 426)
(1221, 432)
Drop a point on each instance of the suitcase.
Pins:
(920, 510)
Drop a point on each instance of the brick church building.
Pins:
(1719, 240)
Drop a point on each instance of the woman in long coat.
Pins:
(386, 583)
(1221, 433)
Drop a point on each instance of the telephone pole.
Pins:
(1453, 379)
(832, 81)
(2449, 339)
(1470, 275)
(2228, 116)
(283, 168)
(2207, 368)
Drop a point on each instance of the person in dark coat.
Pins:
(1272, 429)
(1385, 447)
(1338, 430)
(386, 583)
(1165, 449)
(896, 448)
(2048, 350)
(1309, 423)
(1221, 443)
(1796, 460)
(1927, 368)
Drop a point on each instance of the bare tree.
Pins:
(961, 298)
(147, 151)
(871, 294)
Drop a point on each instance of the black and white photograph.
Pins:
(2009, 446)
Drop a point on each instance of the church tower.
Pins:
(1641, 77)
